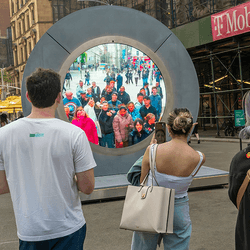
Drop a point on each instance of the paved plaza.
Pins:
(212, 214)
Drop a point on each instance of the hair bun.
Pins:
(180, 121)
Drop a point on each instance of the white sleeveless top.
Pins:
(180, 184)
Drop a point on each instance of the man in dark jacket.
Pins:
(83, 98)
(147, 108)
(146, 89)
(68, 77)
(114, 104)
(119, 80)
(239, 166)
(123, 96)
(156, 101)
(106, 120)
(96, 92)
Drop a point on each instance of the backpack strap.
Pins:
(242, 189)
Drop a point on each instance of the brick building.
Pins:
(4, 17)
(30, 19)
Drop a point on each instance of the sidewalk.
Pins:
(210, 134)
(213, 215)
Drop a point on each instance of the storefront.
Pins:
(219, 47)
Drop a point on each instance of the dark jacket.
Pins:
(125, 98)
(156, 102)
(135, 137)
(83, 102)
(119, 81)
(144, 111)
(97, 95)
(239, 166)
(68, 76)
(106, 122)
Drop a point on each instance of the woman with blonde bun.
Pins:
(176, 165)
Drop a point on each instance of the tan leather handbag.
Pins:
(149, 208)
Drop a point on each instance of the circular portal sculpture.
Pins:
(90, 27)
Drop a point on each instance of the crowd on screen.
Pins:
(109, 117)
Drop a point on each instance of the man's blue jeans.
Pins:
(73, 241)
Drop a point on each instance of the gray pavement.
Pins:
(212, 214)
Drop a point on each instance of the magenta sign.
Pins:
(231, 22)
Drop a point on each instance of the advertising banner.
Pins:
(231, 22)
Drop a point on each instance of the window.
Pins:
(20, 29)
(32, 15)
(22, 60)
(28, 21)
(14, 31)
(23, 21)
(25, 52)
(12, 7)
(30, 49)
(16, 57)
(17, 5)
(204, 2)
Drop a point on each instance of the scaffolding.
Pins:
(222, 67)
(155, 8)
(224, 78)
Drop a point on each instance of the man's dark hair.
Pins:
(43, 87)
(146, 97)
(140, 94)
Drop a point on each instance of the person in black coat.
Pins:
(106, 120)
(239, 166)
(139, 133)
(123, 96)
(147, 108)
(96, 92)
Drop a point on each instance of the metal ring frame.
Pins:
(63, 42)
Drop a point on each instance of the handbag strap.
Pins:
(242, 189)
(152, 154)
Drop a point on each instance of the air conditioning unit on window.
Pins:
(32, 22)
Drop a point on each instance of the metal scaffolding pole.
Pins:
(215, 96)
(240, 66)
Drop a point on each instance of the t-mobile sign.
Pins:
(231, 22)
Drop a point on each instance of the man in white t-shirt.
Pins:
(44, 161)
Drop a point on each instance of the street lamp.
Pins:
(107, 3)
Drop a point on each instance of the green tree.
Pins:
(7, 78)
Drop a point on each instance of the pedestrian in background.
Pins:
(195, 132)
(3, 120)
(119, 80)
(68, 78)
(51, 163)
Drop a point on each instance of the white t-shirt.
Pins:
(40, 158)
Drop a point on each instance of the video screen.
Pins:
(115, 93)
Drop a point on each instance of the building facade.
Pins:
(222, 66)
(29, 19)
(4, 18)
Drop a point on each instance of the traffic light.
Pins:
(0, 91)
